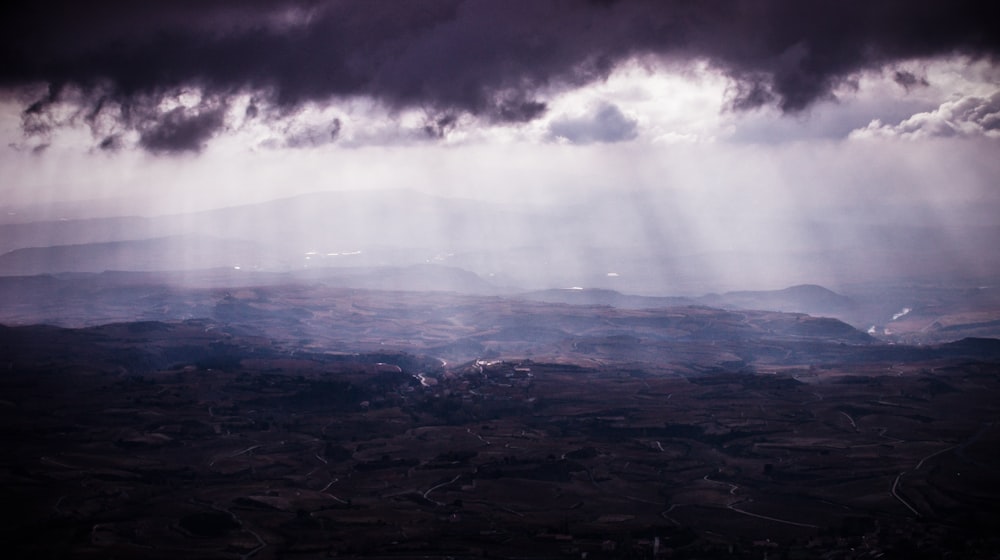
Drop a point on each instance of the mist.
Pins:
(677, 150)
(468, 278)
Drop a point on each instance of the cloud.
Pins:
(969, 116)
(606, 124)
(909, 80)
(180, 130)
(313, 135)
(110, 143)
(439, 127)
(497, 61)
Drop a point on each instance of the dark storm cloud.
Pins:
(111, 143)
(909, 80)
(180, 130)
(439, 127)
(491, 59)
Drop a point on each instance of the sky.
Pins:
(731, 115)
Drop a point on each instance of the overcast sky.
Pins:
(877, 110)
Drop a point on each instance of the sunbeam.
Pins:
(470, 278)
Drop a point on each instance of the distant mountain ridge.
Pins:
(174, 253)
(319, 221)
(803, 298)
(600, 296)
(412, 278)
(629, 245)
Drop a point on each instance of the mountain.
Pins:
(413, 278)
(598, 296)
(625, 243)
(176, 253)
(804, 298)
(14, 236)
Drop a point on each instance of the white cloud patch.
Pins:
(671, 103)
(968, 117)
(605, 124)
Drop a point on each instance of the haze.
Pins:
(657, 148)
(519, 279)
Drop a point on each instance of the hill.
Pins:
(803, 298)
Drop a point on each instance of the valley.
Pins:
(309, 421)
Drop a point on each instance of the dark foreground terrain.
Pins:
(391, 425)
